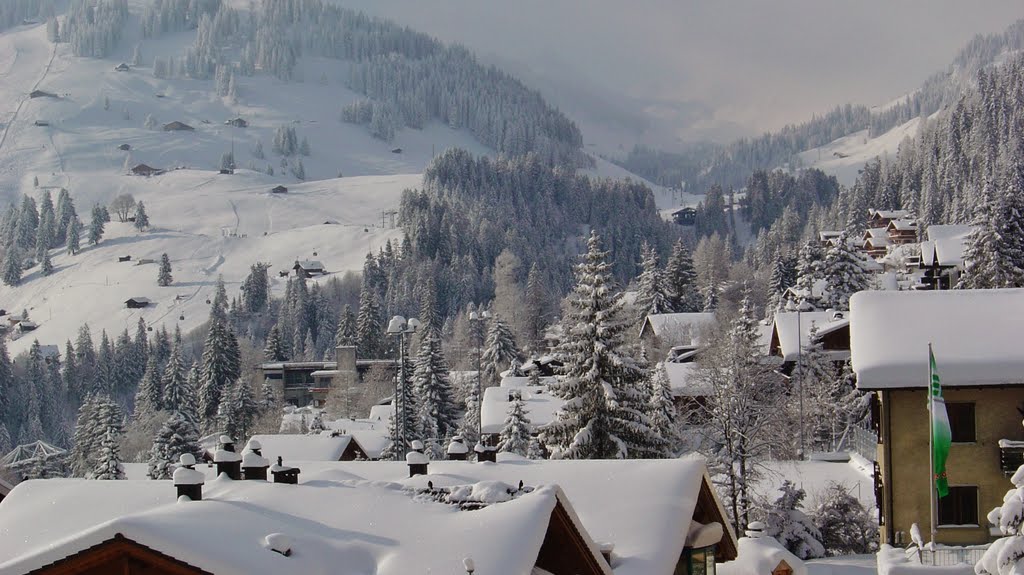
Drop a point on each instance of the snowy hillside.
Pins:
(843, 158)
(209, 225)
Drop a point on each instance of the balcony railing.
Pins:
(1011, 455)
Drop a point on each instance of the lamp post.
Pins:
(478, 322)
(399, 327)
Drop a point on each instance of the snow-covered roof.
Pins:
(947, 231)
(310, 264)
(789, 324)
(759, 555)
(947, 242)
(673, 325)
(903, 225)
(889, 214)
(540, 406)
(523, 381)
(974, 334)
(681, 378)
(876, 233)
(330, 520)
(298, 447)
(381, 412)
(643, 507)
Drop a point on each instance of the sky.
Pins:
(672, 71)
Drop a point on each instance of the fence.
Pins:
(948, 556)
(860, 440)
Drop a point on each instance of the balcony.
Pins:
(1011, 455)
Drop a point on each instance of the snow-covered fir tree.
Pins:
(47, 264)
(469, 428)
(150, 395)
(108, 460)
(220, 365)
(347, 333)
(603, 417)
(652, 296)
(177, 436)
(96, 226)
(661, 411)
(12, 266)
(73, 240)
(239, 409)
(435, 400)
(809, 269)
(791, 527)
(994, 254)
(369, 328)
(164, 277)
(681, 280)
(515, 434)
(844, 273)
(256, 288)
(846, 527)
(141, 217)
(274, 349)
(499, 351)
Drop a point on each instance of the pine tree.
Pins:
(141, 218)
(777, 286)
(47, 265)
(791, 527)
(844, 274)
(108, 463)
(97, 224)
(499, 352)
(217, 370)
(73, 241)
(536, 309)
(176, 437)
(369, 330)
(661, 411)
(651, 296)
(846, 527)
(256, 288)
(809, 269)
(44, 234)
(240, 409)
(515, 435)
(274, 349)
(438, 414)
(681, 280)
(150, 395)
(164, 277)
(470, 426)
(994, 253)
(602, 418)
(12, 266)
(347, 331)
(179, 395)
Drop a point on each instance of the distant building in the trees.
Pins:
(876, 242)
(237, 122)
(122, 67)
(42, 123)
(356, 445)
(124, 147)
(144, 170)
(137, 302)
(881, 218)
(685, 216)
(902, 231)
(791, 335)
(177, 126)
(279, 190)
(308, 268)
(396, 150)
(25, 326)
(665, 330)
(303, 383)
(828, 238)
(980, 364)
(42, 94)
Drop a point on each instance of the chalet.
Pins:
(41, 94)
(942, 256)
(264, 528)
(980, 363)
(144, 170)
(762, 554)
(279, 190)
(122, 67)
(42, 123)
(546, 365)
(227, 171)
(357, 445)
(177, 126)
(308, 268)
(794, 332)
(902, 232)
(876, 242)
(25, 326)
(828, 238)
(137, 302)
(124, 258)
(665, 330)
(309, 382)
(685, 216)
(125, 147)
(881, 218)
(237, 122)
(396, 150)
(539, 401)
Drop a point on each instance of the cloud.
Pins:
(710, 68)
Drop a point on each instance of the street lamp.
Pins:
(478, 323)
(399, 327)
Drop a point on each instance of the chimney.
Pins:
(486, 453)
(227, 460)
(755, 530)
(457, 450)
(417, 460)
(284, 474)
(254, 465)
(187, 480)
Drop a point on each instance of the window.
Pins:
(697, 562)
(960, 507)
(961, 421)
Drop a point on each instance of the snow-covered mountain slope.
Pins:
(209, 225)
(843, 158)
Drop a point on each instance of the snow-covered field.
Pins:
(843, 158)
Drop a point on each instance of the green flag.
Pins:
(941, 435)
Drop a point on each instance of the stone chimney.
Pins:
(187, 480)
(284, 474)
(254, 465)
(227, 460)
(485, 453)
(457, 450)
(417, 460)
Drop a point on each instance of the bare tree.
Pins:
(123, 206)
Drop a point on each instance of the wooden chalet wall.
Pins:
(564, 551)
(122, 556)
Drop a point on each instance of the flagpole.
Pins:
(932, 508)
